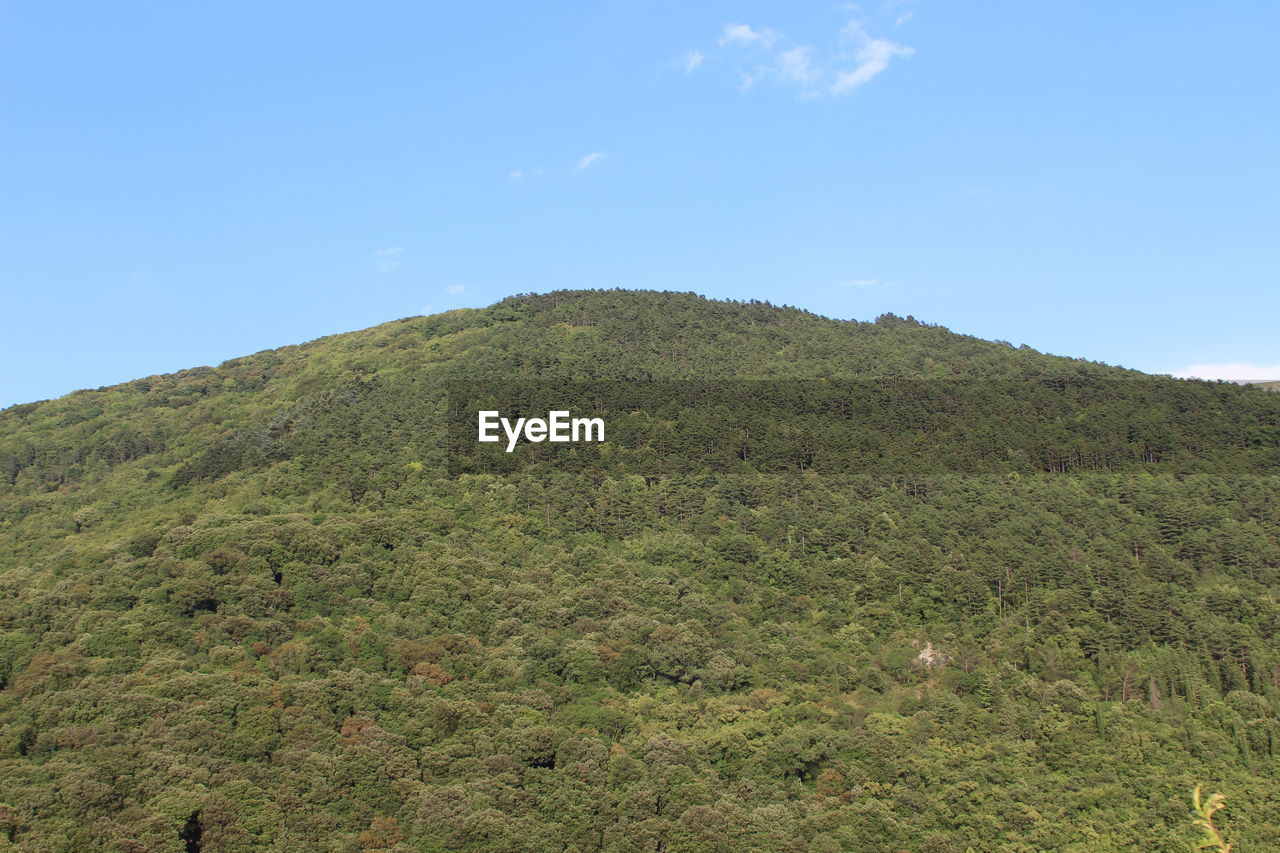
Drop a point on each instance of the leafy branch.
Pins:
(1204, 810)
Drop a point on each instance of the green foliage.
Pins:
(251, 605)
(1204, 811)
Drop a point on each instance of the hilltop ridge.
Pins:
(666, 314)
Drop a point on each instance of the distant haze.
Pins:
(1235, 372)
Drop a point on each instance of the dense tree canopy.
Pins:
(1019, 603)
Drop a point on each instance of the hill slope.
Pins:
(255, 607)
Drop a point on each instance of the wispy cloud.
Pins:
(385, 260)
(590, 160)
(755, 54)
(797, 64)
(536, 177)
(1231, 370)
(456, 289)
(900, 9)
(873, 57)
(742, 34)
(691, 60)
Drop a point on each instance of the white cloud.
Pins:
(873, 57)
(533, 175)
(862, 282)
(1232, 370)
(742, 34)
(456, 289)
(850, 63)
(797, 64)
(691, 60)
(590, 160)
(385, 259)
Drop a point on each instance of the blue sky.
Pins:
(186, 183)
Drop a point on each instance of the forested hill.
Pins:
(1015, 602)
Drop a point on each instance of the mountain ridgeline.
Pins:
(826, 586)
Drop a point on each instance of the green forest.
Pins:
(829, 586)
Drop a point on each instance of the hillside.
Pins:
(1022, 602)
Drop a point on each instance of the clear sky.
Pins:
(183, 183)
